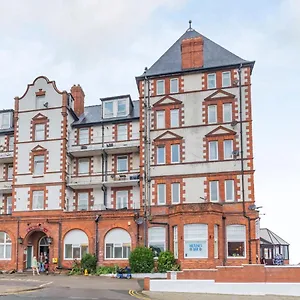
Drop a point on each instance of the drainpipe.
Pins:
(97, 218)
(224, 240)
(17, 247)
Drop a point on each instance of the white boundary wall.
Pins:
(211, 287)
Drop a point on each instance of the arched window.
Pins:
(75, 244)
(5, 246)
(44, 241)
(117, 244)
(236, 241)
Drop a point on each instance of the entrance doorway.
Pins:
(44, 246)
(29, 257)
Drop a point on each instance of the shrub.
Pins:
(89, 262)
(106, 270)
(76, 268)
(141, 260)
(166, 261)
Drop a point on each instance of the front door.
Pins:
(29, 257)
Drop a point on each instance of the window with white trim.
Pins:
(10, 170)
(5, 246)
(213, 150)
(157, 239)
(236, 241)
(212, 114)
(83, 166)
(8, 205)
(117, 244)
(226, 80)
(108, 109)
(227, 112)
(121, 199)
(83, 136)
(122, 164)
(39, 132)
(5, 120)
(160, 119)
(174, 115)
(228, 149)
(196, 241)
(11, 143)
(38, 199)
(160, 87)
(173, 85)
(38, 164)
(229, 190)
(83, 201)
(76, 244)
(175, 153)
(216, 241)
(121, 107)
(211, 81)
(161, 155)
(161, 193)
(175, 241)
(175, 189)
(214, 191)
(122, 132)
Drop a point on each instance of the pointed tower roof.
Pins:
(214, 56)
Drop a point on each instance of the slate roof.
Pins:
(214, 56)
(269, 237)
(93, 115)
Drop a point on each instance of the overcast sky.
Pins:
(103, 45)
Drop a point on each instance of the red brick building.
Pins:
(172, 170)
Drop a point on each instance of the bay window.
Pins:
(196, 241)
(157, 239)
(175, 241)
(236, 241)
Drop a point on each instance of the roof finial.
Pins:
(190, 26)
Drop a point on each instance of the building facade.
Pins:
(172, 170)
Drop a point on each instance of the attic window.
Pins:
(121, 107)
(108, 109)
(5, 120)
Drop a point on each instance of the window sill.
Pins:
(2, 259)
(236, 257)
(37, 176)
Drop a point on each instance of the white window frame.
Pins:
(7, 244)
(175, 241)
(11, 143)
(231, 181)
(159, 237)
(226, 151)
(161, 192)
(10, 172)
(164, 154)
(163, 88)
(8, 205)
(37, 196)
(238, 239)
(2, 118)
(83, 136)
(40, 132)
(209, 80)
(174, 116)
(105, 112)
(210, 158)
(83, 162)
(216, 241)
(229, 79)
(172, 90)
(38, 159)
(122, 136)
(83, 197)
(119, 158)
(177, 194)
(122, 113)
(78, 244)
(123, 202)
(210, 191)
(160, 119)
(225, 110)
(212, 111)
(201, 238)
(175, 146)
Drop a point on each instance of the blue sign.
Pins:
(195, 247)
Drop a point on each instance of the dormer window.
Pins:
(121, 108)
(108, 109)
(5, 120)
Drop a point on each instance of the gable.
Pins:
(38, 148)
(166, 101)
(221, 131)
(219, 94)
(168, 135)
(39, 116)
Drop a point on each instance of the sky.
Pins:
(104, 44)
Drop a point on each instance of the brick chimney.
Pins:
(78, 95)
(192, 53)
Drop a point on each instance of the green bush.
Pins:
(141, 260)
(76, 268)
(89, 262)
(106, 270)
(166, 261)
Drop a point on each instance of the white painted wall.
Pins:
(53, 197)
(136, 197)
(192, 82)
(194, 189)
(22, 195)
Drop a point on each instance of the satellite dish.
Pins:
(235, 152)
(234, 123)
(139, 221)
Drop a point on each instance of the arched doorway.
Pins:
(44, 246)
